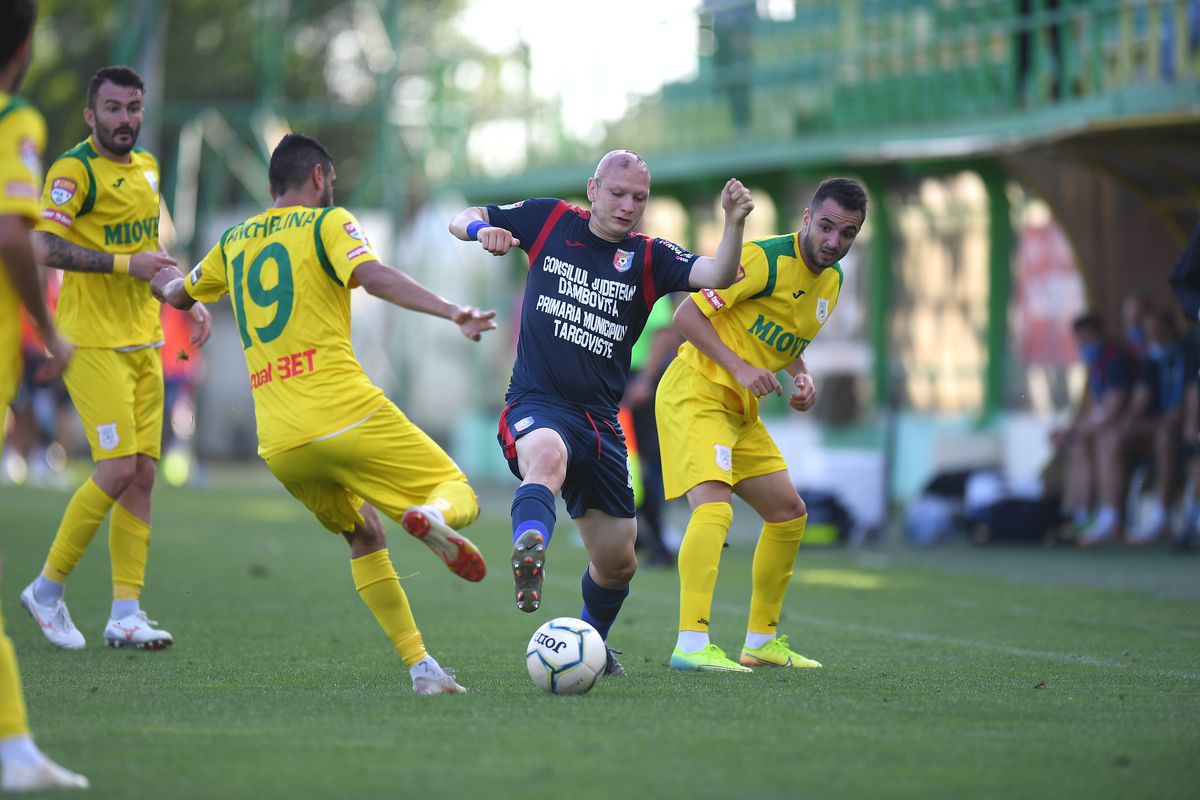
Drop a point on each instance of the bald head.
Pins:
(619, 161)
(618, 193)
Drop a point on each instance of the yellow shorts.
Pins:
(709, 432)
(10, 381)
(10, 362)
(385, 460)
(119, 397)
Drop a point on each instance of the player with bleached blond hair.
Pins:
(592, 284)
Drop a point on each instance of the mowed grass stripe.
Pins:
(939, 682)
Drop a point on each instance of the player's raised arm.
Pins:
(719, 272)
(698, 329)
(472, 224)
(398, 288)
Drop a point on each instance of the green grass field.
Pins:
(955, 673)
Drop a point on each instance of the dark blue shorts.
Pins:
(597, 460)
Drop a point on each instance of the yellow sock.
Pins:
(85, 511)
(13, 721)
(457, 502)
(129, 547)
(774, 558)
(378, 585)
(699, 556)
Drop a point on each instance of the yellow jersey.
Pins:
(771, 313)
(288, 274)
(22, 139)
(94, 202)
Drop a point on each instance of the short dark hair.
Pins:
(121, 76)
(1089, 322)
(16, 23)
(293, 160)
(847, 193)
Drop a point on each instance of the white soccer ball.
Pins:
(565, 656)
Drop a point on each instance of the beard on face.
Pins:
(810, 252)
(107, 138)
(813, 254)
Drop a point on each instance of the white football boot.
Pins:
(1155, 528)
(432, 679)
(54, 620)
(135, 630)
(47, 775)
(1103, 529)
(457, 551)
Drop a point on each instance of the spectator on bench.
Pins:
(1110, 369)
(1153, 429)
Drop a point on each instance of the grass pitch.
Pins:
(955, 673)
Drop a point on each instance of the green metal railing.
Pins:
(843, 72)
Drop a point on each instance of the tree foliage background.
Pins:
(367, 77)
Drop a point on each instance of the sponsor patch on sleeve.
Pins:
(196, 273)
(741, 273)
(680, 253)
(713, 299)
(30, 157)
(20, 190)
(353, 232)
(511, 206)
(62, 190)
(54, 215)
(361, 250)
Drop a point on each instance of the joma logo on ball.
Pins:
(550, 642)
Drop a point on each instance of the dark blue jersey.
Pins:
(1115, 369)
(1167, 371)
(586, 301)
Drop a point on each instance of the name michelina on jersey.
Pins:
(587, 329)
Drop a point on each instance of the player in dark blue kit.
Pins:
(592, 282)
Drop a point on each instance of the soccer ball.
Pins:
(565, 656)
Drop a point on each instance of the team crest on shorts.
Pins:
(522, 424)
(108, 436)
(62, 190)
(724, 457)
(623, 260)
(822, 310)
